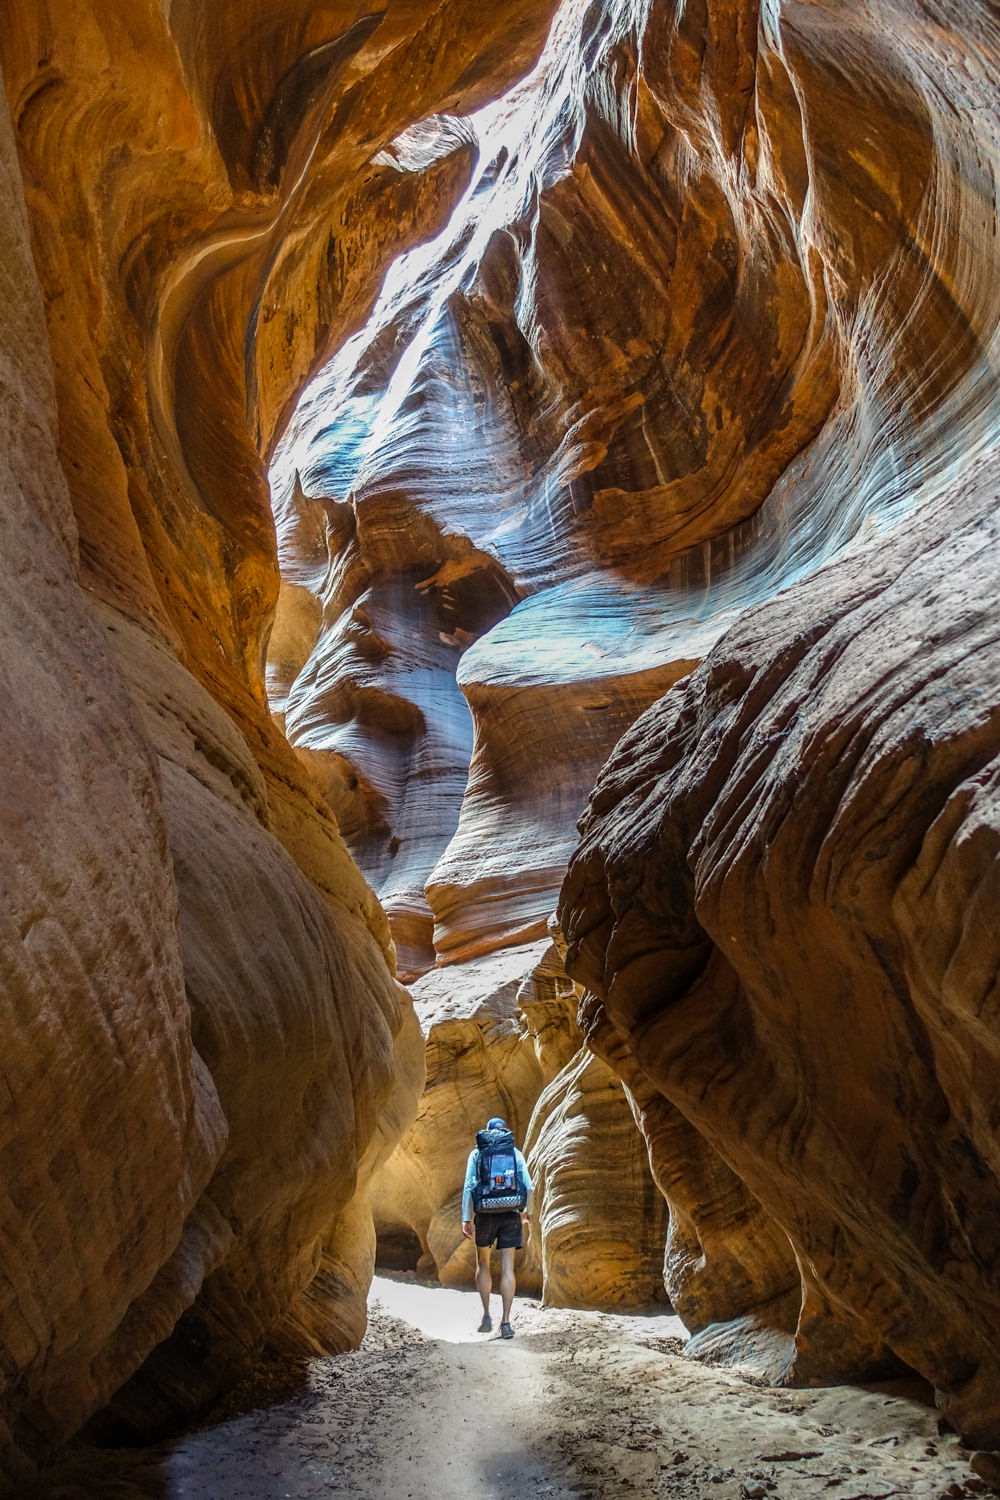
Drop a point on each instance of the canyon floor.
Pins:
(576, 1405)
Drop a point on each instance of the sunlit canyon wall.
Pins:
(205, 1050)
(702, 370)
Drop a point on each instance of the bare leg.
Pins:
(507, 1281)
(484, 1277)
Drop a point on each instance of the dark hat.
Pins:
(496, 1123)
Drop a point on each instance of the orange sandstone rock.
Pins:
(203, 1032)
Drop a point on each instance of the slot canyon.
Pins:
(500, 614)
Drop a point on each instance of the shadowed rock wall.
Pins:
(778, 899)
(777, 892)
(112, 1123)
(206, 1053)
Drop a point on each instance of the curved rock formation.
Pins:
(494, 1040)
(781, 860)
(777, 899)
(112, 1123)
(641, 373)
(434, 508)
(720, 305)
(206, 1053)
(717, 304)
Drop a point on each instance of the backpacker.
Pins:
(498, 1184)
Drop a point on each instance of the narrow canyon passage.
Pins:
(500, 511)
(578, 1406)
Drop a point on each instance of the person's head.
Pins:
(496, 1123)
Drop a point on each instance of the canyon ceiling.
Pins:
(647, 452)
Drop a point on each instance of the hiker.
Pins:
(498, 1186)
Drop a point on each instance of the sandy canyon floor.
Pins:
(576, 1405)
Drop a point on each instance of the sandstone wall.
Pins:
(717, 307)
(776, 896)
(778, 900)
(206, 1053)
(112, 1123)
(721, 306)
(502, 1038)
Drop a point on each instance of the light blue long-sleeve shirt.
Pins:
(470, 1181)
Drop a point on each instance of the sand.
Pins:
(576, 1405)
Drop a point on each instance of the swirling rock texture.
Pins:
(112, 1123)
(778, 895)
(778, 898)
(206, 1054)
(428, 531)
(720, 306)
(717, 306)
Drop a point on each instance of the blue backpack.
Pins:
(498, 1184)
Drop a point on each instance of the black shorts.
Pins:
(502, 1229)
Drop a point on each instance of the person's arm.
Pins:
(526, 1178)
(470, 1178)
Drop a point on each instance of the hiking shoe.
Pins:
(486, 1326)
(506, 1332)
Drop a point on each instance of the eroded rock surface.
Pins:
(112, 1123)
(206, 1053)
(763, 900)
(778, 899)
(720, 306)
(460, 658)
(718, 302)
